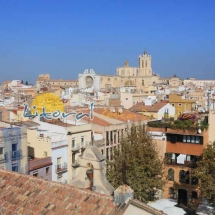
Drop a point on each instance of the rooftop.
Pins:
(125, 116)
(58, 122)
(37, 163)
(31, 195)
(140, 106)
(24, 194)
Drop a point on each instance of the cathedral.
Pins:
(136, 77)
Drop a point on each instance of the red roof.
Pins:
(25, 194)
(139, 107)
(124, 116)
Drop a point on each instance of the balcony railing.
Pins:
(76, 148)
(61, 168)
(190, 164)
(16, 155)
(4, 157)
(76, 164)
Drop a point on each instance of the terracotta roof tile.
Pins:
(95, 120)
(139, 107)
(124, 116)
(30, 195)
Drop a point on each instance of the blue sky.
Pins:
(65, 37)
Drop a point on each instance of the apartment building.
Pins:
(60, 141)
(110, 123)
(156, 110)
(183, 147)
(181, 104)
(13, 148)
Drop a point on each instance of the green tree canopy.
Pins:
(26, 83)
(136, 162)
(205, 172)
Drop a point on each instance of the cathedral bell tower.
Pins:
(145, 66)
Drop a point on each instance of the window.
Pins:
(194, 195)
(171, 190)
(171, 174)
(142, 82)
(114, 137)
(14, 147)
(47, 170)
(118, 136)
(59, 162)
(179, 104)
(82, 141)
(1, 153)
(188, 139)
(194, 181)
(184, 177)
(197, 140)
(193, 138)
(107, 153)
(35, 174)
(126, 99)
(15, 167)
(107, 135)
(173, 105)
(73, 142)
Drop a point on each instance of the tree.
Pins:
(136, 162)
(26, 83)
(205, 172)
(22, 82)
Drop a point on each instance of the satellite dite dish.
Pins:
(199, 131)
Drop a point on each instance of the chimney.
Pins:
(123, 194)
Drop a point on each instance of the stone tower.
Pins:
(145, 66)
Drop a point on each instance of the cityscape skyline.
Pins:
(64, 39)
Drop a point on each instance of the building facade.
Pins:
(138, 77)
(13, 148)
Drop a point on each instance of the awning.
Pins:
(181, 158)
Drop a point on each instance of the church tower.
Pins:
(145, 66)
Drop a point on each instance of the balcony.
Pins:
(61, 168)
(84, 145)
(76, 148)
(191, 163)
(3, 157)
(76, 164)
(16, 155)
(177, 126)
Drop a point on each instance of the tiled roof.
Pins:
(124, 116)
(58, 122)
(24, 194)
(38, 163)
(95, 120)
(139, 107)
